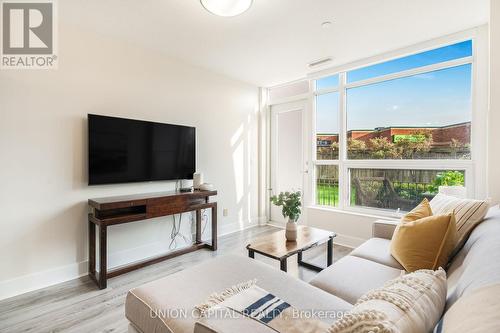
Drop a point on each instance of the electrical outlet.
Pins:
(225, 212)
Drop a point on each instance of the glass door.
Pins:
(288, 167)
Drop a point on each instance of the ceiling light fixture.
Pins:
(226, 8)
(326, 24)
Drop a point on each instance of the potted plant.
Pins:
(290, 201)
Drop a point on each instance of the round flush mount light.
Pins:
(226, 8)
(326, 24)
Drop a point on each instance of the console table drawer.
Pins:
(167, 207)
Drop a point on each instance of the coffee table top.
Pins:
(275, 245)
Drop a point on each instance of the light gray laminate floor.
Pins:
(77, 306)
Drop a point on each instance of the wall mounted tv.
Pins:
(125, 150)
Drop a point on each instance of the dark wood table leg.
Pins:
(251, 254)
(214, 227)
(299, 257)
(283, 264)
(329, 252)
(198, 226)
(329, 257)
(92, 249)
(103, 240)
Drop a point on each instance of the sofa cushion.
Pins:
(183, 290)
(411, 303)
(478, 263)
(378, 250)
(475, 313)
(351, 277)
(468, 214)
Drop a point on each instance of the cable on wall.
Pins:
(204, 218)
(176, 228)
(176, 231)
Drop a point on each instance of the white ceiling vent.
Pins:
(320, 62)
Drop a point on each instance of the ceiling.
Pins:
(273, 41)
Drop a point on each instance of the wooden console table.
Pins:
(110, 211)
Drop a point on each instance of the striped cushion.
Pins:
(468, 213)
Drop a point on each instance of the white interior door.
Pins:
(287, 151)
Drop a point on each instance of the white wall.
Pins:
(352, 229)
(43, 190)
(494, 117)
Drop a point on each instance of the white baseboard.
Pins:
(39, 280)
(262, 220)
(277, 224)
(237, 226)
(348, 241)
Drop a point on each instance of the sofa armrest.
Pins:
(384, 228)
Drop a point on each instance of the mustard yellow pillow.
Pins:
(426, 243)
(419, 212)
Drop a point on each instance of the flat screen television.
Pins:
(126, 150)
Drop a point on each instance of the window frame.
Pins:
(472, 167)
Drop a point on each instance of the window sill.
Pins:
(365, 212)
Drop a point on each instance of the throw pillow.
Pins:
(468, 214)
(474, 313)
(426, 243)
(419, 212)
(412, 303)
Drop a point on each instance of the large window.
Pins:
(327, 126)
(388, 133)
(424, 116)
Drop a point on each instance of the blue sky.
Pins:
(432, 99)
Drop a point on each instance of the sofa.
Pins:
(166, 305)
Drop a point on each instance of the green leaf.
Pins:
(290, 202)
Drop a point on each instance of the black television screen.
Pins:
(125, 150)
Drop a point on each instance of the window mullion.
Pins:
(343, 181)
(412, 72)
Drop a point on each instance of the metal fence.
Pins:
(327, 192)
(412, 193)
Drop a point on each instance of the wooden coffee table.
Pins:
(276, 247)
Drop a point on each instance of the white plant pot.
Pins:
(454, 191)
(291, 231)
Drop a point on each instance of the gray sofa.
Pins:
(336, 288)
